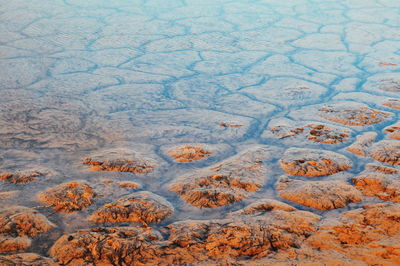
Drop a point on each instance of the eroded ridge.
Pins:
(188, 153)
(352, 114)
(190, 241)
(321, 195)
(223, 183)
(69, 197)
(119, 160)
(313, 163)
(21, 177)
(18, 225)
(379, 181)
(142, 207)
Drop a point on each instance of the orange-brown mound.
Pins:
(69, 197)
(191, 241)
(317, 132)
(132, 185)
(370, 235)
(108, 246)
(311, 162)
(387, 151)
(26, 259)
(142, 207)
(379, 181)
(188, 153)
(355, 114)
(18, 221)
(322, 195)
(21, 177)
(224, 183)
(263, 206)
(9, 244)
(119, 165)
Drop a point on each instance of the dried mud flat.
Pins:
(199, 132)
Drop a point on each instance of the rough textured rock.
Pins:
(21, 221)
(379, 181)
(142, 207)
(352, 114)
(18, 224)
(188, 153)
(9, 243)
(115, 245)
(363, 143)
(263, 206)
(392, 103)
(311, 162)
(21, 177)
(223, 183)
(189, 241)
(251, 236)
(314, 131)
(322, 195)
(25, 259)
(120, 160)
(393, 131)
(369, 234)
(69, 197)
(387, 151)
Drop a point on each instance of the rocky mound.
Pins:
(387, 151)
(18, 224)
(393, 131)
(311, 162)
(189, 241)
(264, 205)
(363, 143)
(130, 184)
(188, 153)
(21, 221)
(119, 160)
(112, 246)
(224, 183)
(21, 177)
(142, 207)
(379, 181)
(9, 243)
(352, 114)
(321, 195)
(251, 236)
(370, 234)
(317, 132)
(25, 259)
(69, 197)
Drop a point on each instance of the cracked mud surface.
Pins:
(157, 132)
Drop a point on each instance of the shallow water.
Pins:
(81, 77)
